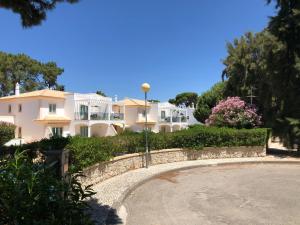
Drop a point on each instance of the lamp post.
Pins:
(145, 88)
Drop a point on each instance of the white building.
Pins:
(46, 113)
(161, 117)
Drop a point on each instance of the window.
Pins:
(163, 114)
(57, 131)
(19, 132)
(52, 108)
(84, 109)
(84, 131)
(9, 108)
(20, 107)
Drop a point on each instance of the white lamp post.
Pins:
(145, 88)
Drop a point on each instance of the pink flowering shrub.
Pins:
(234, 112)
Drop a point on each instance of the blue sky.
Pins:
(115, 45)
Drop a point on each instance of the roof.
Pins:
(133, 102)
(54, 119)
(46, 93)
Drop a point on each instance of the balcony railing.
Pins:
(117, 116)
(174, 119)
(98, 116)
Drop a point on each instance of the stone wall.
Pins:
(122, 164)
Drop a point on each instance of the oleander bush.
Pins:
(31, 193)
(7, 132)
(88, 151)
(234, 112)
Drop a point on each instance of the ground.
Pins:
(227, 194)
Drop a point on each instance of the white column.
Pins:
(89, 110)
(89, 131)
(109, 111)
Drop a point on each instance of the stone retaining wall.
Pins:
(122, 164)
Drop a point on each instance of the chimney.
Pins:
(116, 98)
(17, 90)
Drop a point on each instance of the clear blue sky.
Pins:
(115, 45)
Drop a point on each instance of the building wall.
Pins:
(31, 130)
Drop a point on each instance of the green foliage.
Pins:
(29, 73)
(208, 100)
(261, 61)
(32, 12)
(101, 93)
(32, 194)
(7, 132)
(185, 98)
(89, 151)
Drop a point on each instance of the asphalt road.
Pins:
(233, 194)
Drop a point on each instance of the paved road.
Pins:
(232, 194)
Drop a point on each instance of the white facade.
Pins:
(161, 117)
(45, 113)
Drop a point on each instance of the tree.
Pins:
(208, 100)
(101, 93)
(187, 99)
(29, 73)
(234, 112)
(32, 12)
(259, 62)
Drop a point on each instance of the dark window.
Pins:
(57, 131)
(9, 108)
(52, 108)
(20, 107)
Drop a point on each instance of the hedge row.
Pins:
(88, 151)
(7, 132)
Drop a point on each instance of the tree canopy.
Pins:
(268, 63)
(208, 100)
(32, 12)
(185, 98)
(99, 92)
(29, 73)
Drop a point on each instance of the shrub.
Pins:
(88, 151)
(32, 194)
(234, 112)
(7, 132)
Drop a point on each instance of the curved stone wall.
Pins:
(122, 164)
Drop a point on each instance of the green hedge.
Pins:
(7, 132)
(88, 151)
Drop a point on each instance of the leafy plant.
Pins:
(234, 112)
(7, 132)
(32, 194)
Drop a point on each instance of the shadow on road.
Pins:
(103, 214)
(281, 153)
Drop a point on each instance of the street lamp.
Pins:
(145, 88)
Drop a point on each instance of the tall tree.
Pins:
(29, 73)
(259, 63)
(185, 98)
(208, 100)
(32, 12)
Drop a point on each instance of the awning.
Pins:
(54, 119)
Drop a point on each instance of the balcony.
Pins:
(182, 119)
(98, 116)
(117, 116)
